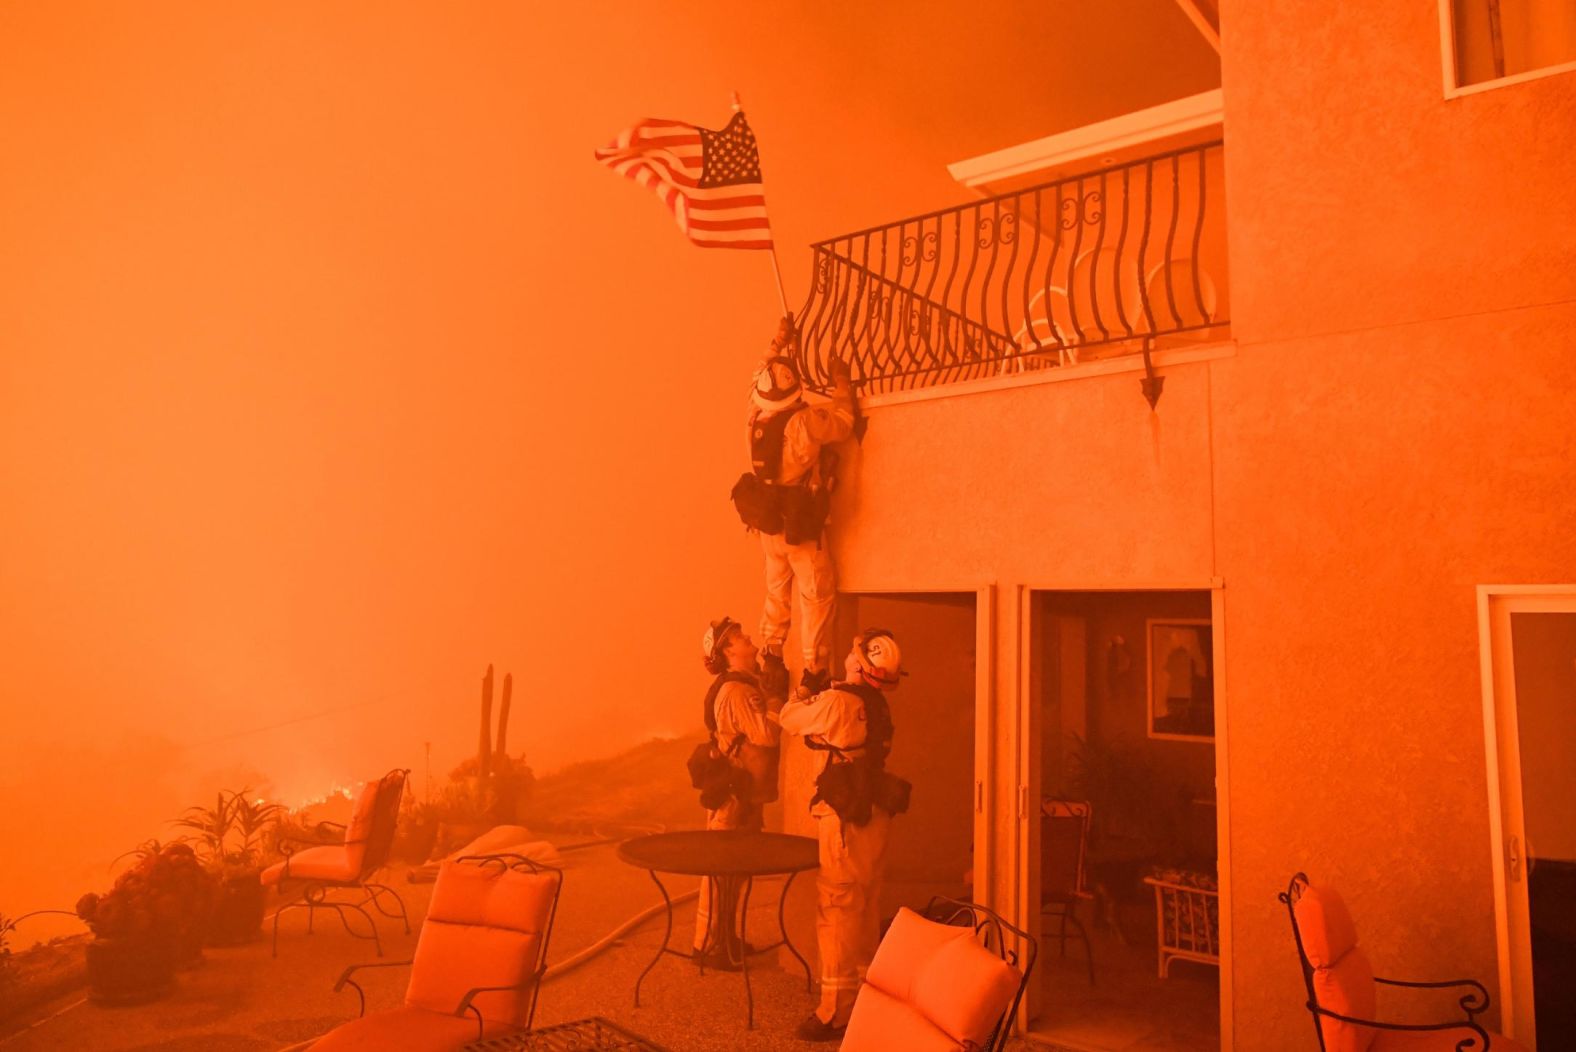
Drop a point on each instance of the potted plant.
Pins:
(231, 839)
(146, 924)
(416, 835)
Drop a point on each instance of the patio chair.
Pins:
(1342, 993)
(478, 965)
(1064, 850)
(944, 982)
(345, 858)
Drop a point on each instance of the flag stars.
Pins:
(730, 156)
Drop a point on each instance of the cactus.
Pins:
(503, 714)
(484, 750)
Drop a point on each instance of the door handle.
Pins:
(1513, 858)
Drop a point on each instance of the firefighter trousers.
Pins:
(803, 572)
(735, 814)
(848, 908)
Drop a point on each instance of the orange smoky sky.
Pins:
(332, 367)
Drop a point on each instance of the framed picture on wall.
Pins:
(1181, 679)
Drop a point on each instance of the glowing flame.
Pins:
(345, 792)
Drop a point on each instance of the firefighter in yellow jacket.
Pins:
(786, 495)
(849, 726)
(736, 717)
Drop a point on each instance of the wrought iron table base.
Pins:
(730, 898)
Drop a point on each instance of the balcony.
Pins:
(1126, 258)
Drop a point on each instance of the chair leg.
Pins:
(372, 925)
(293, 904)
(377, 891)
(1088, 946)
(315, 897)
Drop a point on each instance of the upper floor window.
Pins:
(1492, 42)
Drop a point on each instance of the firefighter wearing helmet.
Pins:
(849, 728)
(743, 744)
(786, 495)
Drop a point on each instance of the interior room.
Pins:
(1128, 858)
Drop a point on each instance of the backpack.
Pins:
(711, 770)
(852, 785)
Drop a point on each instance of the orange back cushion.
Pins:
(1347, 987)
(910, 941)
(1343, 980)
(484, 927)
(942, 975)
(360, 825)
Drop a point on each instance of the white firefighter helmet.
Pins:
(715, 640)
(777, 385)
(878, 656)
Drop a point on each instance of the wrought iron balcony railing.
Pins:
(1090, 266)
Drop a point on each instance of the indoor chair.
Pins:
(345, 857)
(944, 982)
(478, 965)
(1342, 992)
(1064, 850)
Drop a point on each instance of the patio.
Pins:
(242, 1000)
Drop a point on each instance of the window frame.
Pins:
(1447, 51)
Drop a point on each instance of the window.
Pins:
(1492, 42)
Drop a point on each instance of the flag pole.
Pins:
(777, 270)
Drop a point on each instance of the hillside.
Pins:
(646, 786)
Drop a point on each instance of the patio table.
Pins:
(583, 1035)
(729, 860)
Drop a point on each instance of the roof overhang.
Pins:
(1170, 126)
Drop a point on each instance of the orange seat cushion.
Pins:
(331, 862)
(406, 1028)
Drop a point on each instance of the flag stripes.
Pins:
(709, 180)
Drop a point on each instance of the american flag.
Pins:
(710, 180)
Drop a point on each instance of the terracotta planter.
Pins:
(238, 912)
(415, 841)
(130, 971)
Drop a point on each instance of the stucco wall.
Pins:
(1367, 484)
(1054, 485)
(1395, 430)
(1359, 196)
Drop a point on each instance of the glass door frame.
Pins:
(1496, 602)
(1025, 845)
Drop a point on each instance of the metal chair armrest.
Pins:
(470, 995)
(1466, 1044)
(345, 979)
(1472, 1003)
